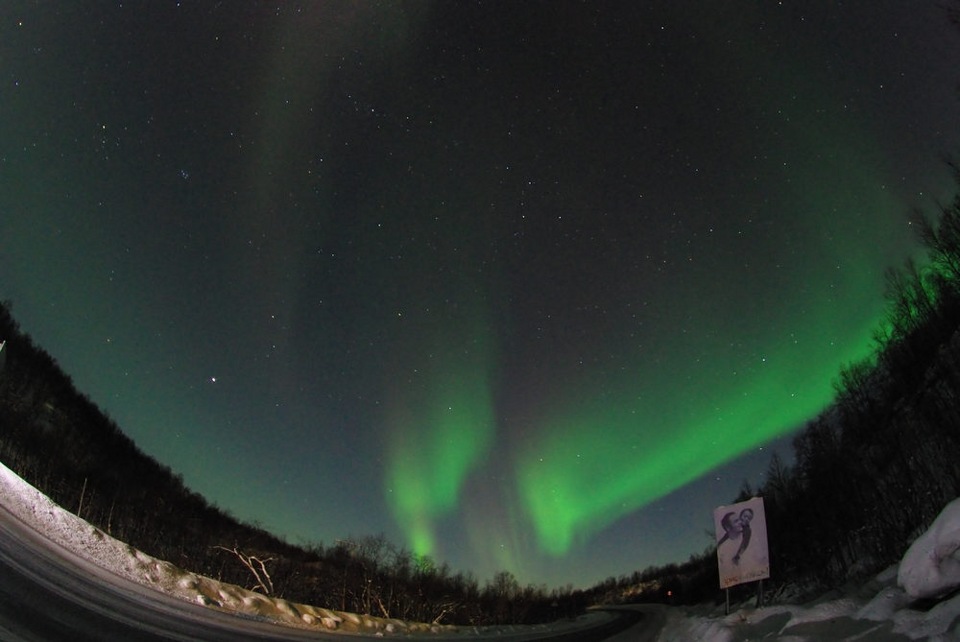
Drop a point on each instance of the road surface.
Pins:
(647, 628)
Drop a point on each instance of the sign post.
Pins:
(742, 553)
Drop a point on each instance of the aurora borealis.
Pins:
(525, 286)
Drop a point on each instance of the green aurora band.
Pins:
(725, 369)
(729, 374)
(607, 457)
(442, 426)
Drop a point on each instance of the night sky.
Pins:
(521, 285)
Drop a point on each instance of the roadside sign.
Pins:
(742, 553)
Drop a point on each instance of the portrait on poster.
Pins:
(741, 531)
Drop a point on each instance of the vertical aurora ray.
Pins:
(442, 426)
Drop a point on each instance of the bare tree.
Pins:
(252, 563)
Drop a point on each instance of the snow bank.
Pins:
(92, 546)
(680, 629)
(931, 565)
(96, 547)
(880, 610)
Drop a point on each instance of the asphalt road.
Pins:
(652, 617)
(49, 594)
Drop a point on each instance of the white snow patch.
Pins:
(843, 607)
(931, 565)
(680, 627)
(884, 605)
(937, 623)
(886, 610)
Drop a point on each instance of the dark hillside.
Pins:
(60, 441)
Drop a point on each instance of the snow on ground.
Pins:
(884, 609)
(886, 616)
(932, 563)
(88, 542)
(880, 610)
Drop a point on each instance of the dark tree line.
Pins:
(61, 442)
(880, 464)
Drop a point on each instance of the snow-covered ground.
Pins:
(886, 608)
(881, 610)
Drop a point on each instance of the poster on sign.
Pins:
(742, 553)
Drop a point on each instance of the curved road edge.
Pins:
(647, 623)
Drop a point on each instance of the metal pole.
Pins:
(727, 610)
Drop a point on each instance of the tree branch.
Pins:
(264, 583)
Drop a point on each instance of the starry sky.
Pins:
(526, 286)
